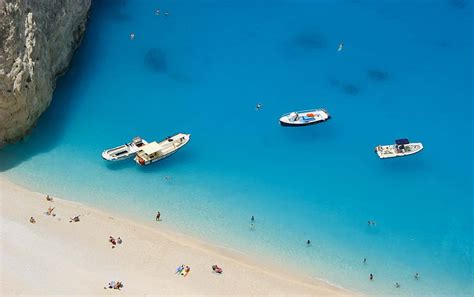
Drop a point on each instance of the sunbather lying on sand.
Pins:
(50, 211)
(114, 285)
(179, 269)
(216, 269)
(32, 220)
(74, 219)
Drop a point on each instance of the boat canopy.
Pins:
(402, 141)
(151, 148)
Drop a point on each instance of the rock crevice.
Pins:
(37, 41)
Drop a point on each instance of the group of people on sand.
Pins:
(114, 241)
(49, 212)
(183, 270)
(116, 285)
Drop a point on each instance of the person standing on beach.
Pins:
(158, 215)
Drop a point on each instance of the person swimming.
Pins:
(371, 276)
(157, 11)
(259, 105)
(397, 285)
(365, 260)
(252, 219)
(308, 242)
(132, 36)
(417, 276)
(341, 46)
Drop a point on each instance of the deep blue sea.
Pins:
(406, 70)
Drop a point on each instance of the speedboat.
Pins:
(156, 151)
(402, 147)
(124, 151)
(305, 117)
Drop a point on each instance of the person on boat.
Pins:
(371, 277)
(158, 215)
(32, 220)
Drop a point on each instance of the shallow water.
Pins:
(405, 71)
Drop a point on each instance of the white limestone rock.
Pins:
(37, 41)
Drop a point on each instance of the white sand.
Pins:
(54, 256)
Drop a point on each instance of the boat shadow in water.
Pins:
(119, 165)
(311, 134)
(181, 158)
(403, 165)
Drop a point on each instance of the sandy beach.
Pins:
(56, 256)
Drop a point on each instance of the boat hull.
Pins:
(125, 151)
(389, 151)
(144, 163)
(287, 124)
(178, 141)
(304, 118)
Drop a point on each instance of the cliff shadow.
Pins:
(49, 129)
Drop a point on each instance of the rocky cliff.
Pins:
(37, 41)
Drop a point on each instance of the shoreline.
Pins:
(29, 248)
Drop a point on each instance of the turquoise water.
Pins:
(405, 71)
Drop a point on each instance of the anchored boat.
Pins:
(124, 151)
(305, 117)
(401, 148)
(156, 151)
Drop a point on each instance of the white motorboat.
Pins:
(124, 151)
(305, 117)
(401, 148)
(156, 151)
